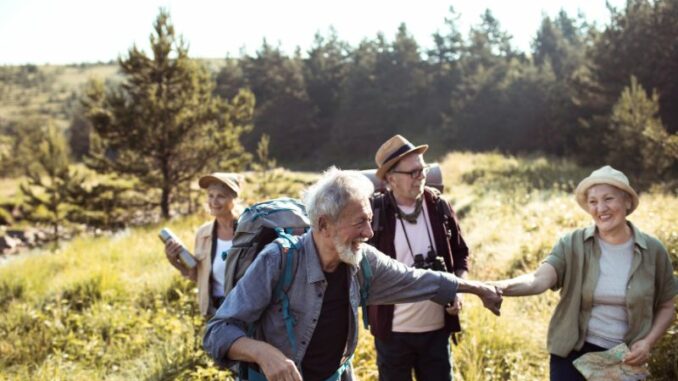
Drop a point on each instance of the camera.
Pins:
(185, 256)
(430, 262)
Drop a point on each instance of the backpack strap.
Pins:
(378, 215)
(366, 271)
(288, 244)
(444, 211)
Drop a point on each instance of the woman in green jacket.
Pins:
(617, 284)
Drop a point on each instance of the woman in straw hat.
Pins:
(616, 282)
(212, 240)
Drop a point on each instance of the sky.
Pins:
(77, 31)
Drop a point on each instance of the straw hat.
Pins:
(392, 151)
(610, 176)
(229, 180)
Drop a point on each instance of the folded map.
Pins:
(608, 366)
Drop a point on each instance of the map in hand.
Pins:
(608, 366)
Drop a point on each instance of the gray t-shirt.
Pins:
(609, 320)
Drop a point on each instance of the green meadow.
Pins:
(112, 308)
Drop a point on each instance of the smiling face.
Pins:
(608, 206)
(351, 230)
(404, 186)
(219, 200)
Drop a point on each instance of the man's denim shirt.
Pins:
(250, 300)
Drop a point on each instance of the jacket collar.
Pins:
(206, 231)
(313, 268)
(638, 237)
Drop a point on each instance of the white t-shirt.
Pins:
(423, 316)
(219, 267)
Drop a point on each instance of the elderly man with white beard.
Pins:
(325, 293)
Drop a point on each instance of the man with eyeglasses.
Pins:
(414, 225)
(325, 291)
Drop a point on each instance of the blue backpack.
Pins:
(282, 221)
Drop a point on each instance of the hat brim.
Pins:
(584, 185)
(381, 172)
(205, 181)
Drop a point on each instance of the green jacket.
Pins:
(576, 258)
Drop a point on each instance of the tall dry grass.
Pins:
(112, 308)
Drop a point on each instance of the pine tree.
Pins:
(162, 125)
(284, 110)
(638, 142)
(50, 182)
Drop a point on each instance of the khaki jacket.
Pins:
(203, 254)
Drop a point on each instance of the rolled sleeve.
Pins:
(219, 337)
(243, 305)
(667, 282)
(447, 290)
(557, 260)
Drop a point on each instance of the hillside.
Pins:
(53, 91)
(49, 91)
(112, 308)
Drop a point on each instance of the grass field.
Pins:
(112, 308)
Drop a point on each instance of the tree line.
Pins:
(596, 95)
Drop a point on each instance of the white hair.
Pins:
(333, 191)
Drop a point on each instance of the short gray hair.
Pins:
(333, 191)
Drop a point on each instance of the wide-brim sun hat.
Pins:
(392, 151)
(229, 180)
(610, 176)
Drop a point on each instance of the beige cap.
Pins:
(229, 180)
(610, 176)
(392, 151)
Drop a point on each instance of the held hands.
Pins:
(491, 297)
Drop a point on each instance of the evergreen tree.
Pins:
(105, 201)
(78, 136)
(639, 41)
(230, 79)
(637, 141)
(50, 182)
(360, 106)
(325, 71)
(163, 125)
(478, 108)
(284, 110)
(559, 52)
(402, 80)
(444, 73)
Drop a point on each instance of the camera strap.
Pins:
(402, 224)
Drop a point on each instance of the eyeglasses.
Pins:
(415, 172)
